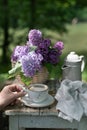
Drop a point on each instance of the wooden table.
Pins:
(21, 117)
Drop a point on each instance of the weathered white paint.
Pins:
(25, 117)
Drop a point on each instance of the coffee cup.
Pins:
(37, 92)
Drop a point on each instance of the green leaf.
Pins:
(15, 70)
(33, 48)
(25, 80)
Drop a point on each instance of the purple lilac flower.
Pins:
(59, 45)
(45, 43)
(44, 53)
(18, 52)
(43, 49)
(53, 56)
(31, 63)
(35, 37)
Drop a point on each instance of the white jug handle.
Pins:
(83, 63)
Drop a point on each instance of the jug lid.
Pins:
(73, 57)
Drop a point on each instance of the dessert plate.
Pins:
(49, 101)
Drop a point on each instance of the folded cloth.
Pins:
(72, 100)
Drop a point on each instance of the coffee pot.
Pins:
(73, 67)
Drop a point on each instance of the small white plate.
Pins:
(49, 101)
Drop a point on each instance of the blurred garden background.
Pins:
(64, 20)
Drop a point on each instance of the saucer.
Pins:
(49, 101)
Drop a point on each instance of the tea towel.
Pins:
(72, 100)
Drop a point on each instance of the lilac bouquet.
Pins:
(36, 53)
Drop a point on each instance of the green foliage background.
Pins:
(54, 18)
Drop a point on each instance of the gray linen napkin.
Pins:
(72, 100)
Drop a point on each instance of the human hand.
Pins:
(9, 94)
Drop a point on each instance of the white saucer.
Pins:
(49, 101)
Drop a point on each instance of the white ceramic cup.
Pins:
(37, 92)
